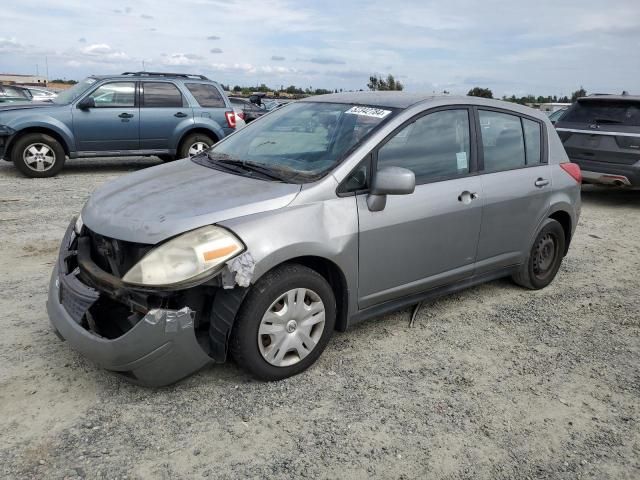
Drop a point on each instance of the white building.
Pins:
(33, 80)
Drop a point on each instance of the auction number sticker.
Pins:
(369, 112)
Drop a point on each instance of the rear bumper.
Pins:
(159, 350)
(609, 173)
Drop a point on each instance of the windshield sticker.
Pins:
(369, 112)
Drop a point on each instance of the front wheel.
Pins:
(38, 155)
(194, 144)
(284, 323)
(545, 257)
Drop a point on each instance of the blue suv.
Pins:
(170, 115)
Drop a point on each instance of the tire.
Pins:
(545, 257)
(38, 155)
(290, 323)
(190, 141)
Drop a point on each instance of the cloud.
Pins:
(182, 59)
(10, 45)
(326, 61)
(216, 50)
(101, 52)
(277, 58)
(146, 17)
(82, 40)
(213, 37)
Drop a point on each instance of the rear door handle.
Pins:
(126, 115)
(180, 115)
(541, 182)
(466, 196)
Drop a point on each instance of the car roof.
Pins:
(405, 100)
(153, 78)
(614, 98)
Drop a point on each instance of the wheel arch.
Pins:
(194, 131)
(37, 129)
(564, 219)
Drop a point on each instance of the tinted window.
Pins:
(161, 94)
(532, 132)
(502, 141)
(117, 94)
(604, 112)
(434, 146)
(206, 95)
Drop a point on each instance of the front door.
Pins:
(162, 110)
(113, 124)
(428, 238)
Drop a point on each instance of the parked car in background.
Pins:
(601, 133)
(250, 110)
(41, 95)
(555, 116)
(137, 113)
(13, 93)
(325, 212)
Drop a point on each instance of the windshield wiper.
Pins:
(245, 166)
(606, 120)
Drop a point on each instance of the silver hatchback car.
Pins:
(319, 215)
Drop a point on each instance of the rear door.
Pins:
(428, 238)
(516, 184)
(163, 113)
(211, 103)
(112, 125)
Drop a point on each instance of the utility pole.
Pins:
(143, 65)
(46, 64)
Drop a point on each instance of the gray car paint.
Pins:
(419, 241)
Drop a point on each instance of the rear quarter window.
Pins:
(206, 95)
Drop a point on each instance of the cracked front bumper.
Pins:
(160, 349)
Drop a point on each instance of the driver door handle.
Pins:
(541, 182)
(126, 115)
(180, 115)
(467, 196)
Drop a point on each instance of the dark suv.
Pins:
(137, 113)
(601, 133)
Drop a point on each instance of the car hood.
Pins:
(6, 107)
(160, 202)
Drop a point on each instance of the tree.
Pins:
(237, 88)
(578, 93)
(480, 92)
(381, 84)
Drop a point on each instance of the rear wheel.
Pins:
(194, 144)
(545, 257)
(284, 323)
(38, 155)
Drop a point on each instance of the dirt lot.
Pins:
(496, 382)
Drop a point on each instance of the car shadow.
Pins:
(610, 196)
(110, 165)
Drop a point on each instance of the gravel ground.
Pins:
(495, 382)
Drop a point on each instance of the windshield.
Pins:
(306, 139)
(70, 94)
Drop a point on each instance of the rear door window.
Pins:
(161, 94)
(604, 112)
(206, 95)
(532, 139)
(502, 141)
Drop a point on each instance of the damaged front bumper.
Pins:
(160, 349)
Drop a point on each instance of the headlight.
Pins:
(78, 226)
(187, 258)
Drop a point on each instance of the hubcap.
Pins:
(39, 157)
(197, 148)
(544, 255)
(291, 327)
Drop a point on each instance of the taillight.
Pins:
(573, 169)
(231, 119)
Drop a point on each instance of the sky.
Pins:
(541, 47)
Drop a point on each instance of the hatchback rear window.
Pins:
(604, 112)
(206, 95)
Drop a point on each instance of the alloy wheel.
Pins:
(39, 157)
(197, 148)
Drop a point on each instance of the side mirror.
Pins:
(390, 181)
(86, 103)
